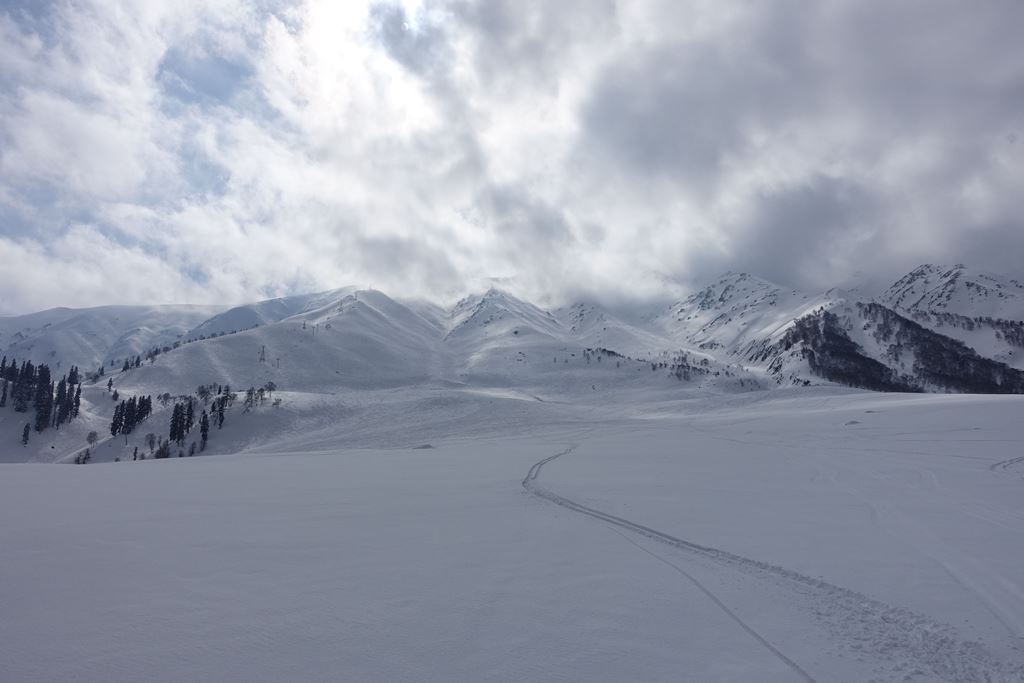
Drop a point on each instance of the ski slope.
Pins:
(815, 534)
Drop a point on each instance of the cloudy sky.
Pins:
(225, 150)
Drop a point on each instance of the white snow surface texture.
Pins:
(472, 495)
(813, 534)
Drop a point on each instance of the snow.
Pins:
(480, 494)
(931, 294)
(87, 337)
(263, 312)
(591, 326)
(957, 289)
(816, 534)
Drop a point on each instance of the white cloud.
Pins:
(82, 268)
(232, 150)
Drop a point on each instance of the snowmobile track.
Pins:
(1006, 464)
(891, 633)
(528, 484)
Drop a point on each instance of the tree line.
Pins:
(55, 402)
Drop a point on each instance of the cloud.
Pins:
(227, 150)
(81, 268)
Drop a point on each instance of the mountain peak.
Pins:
(729, 288)
(482, 310)
(956, 289)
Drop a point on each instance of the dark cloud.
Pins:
(682, 110)
(795, 233)
(683, 107)
(849, 93)
(524, 220)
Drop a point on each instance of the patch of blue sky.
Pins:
(40, 210)
(203, 175)
(202, 78)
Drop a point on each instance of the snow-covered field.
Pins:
(816, 534)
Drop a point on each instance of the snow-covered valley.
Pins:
(843, 536)
(495, 491)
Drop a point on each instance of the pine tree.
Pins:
(67, 407)
(177, 424)
(3, 396)
(189, 415)
(61, 403)
(110, 384)
(24, 387)
(3, 368)
(129, 415)
(73, 375)
(126, 367)
(24, 434)
(43, 400)
(118, 420)
(204, 430)
(78, 401)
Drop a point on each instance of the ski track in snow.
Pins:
(1006, 464)
(865, 625)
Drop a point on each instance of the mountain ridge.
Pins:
(370, 339)
(320, 354)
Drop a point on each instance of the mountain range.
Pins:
(938, 328)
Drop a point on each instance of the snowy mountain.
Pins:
(496, 313)
(870, 346)
(259, 313)
(797, 338)
(983, 310)
(740, 333)
(591, 325)
(88, 337)
(498, 340)
(956, 290)
(738, 315)
(347, 337)
(364, 339)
